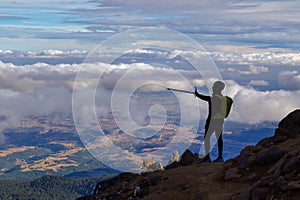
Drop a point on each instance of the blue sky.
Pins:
(72, 24)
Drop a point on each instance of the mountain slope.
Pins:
(268, 170)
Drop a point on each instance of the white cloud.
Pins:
(259, 83)
(148, 51)
(42, 89)
(289, 80)
(254, 70)
(259, 58)
(55, 53)
(252, 106)
(256, 59)
(5, 52)
(50, 53)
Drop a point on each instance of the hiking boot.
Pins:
(219, 160)
(206, 160)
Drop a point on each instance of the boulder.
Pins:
(291, 122)
(269, 155)
(188, 158)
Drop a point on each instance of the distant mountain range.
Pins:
(48, 187)
(50, 146)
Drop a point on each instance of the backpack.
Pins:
(226, 103)
(229, 103)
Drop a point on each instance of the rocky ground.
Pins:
(268, 170)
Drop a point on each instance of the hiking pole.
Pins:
(184, 91)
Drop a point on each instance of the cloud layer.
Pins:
(290, 80)
(252, 106)
(42, 89)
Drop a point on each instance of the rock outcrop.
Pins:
(273, 164)
(268, 170)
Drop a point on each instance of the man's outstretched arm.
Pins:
(201, 96)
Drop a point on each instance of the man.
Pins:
(215, 119)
